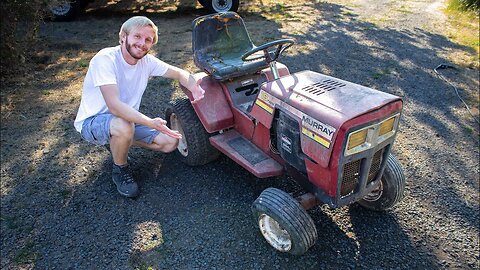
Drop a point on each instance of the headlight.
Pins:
(386, 126)
(357, 138)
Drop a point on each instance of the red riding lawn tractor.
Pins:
(332, 136)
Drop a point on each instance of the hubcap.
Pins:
(62, 9)
(275, 235)
(182, 143)
(375, 194)
(222, 5)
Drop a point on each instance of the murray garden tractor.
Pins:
(333, 137)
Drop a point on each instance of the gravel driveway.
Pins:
(60, 210)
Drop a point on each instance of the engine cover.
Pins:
(320, 104)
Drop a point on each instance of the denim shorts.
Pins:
(96, 130)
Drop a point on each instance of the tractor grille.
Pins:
(323, 86)
(351, 173)
(375, 167)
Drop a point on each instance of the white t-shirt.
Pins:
(109, 67)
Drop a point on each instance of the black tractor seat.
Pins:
(219, 42)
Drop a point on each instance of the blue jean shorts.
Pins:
(96, 130)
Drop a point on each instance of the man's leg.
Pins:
(161, 143)
(121, 138)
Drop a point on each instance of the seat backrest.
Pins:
(220, 35)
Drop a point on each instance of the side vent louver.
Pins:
(323, 86)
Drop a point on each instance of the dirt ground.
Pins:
(59, 208)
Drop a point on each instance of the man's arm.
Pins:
(187, 80)
(120, 109)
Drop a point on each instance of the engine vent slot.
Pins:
(319, 88)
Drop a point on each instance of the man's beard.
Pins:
(128, 46)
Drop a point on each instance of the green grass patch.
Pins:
(465, 25)
(144, 266)
(26, 254)
(380, 73)
(469, 129)
(83, 63)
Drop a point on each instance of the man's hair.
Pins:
(136, 22)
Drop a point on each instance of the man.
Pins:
(112, 91)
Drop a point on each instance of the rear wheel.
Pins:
(283, 222)
(194, 148)
(67, 10)
(390, 191)
(221, 5)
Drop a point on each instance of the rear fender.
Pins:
(213, 110)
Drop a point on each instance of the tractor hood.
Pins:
(322, 104)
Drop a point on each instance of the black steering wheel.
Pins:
(269, 55)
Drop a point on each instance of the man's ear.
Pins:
(123, 35)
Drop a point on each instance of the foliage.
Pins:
(19, 27)
(473, 5)
(464, 30)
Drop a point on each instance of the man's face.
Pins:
(139, 41)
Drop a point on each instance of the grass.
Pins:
(277, 11)
(464, 30)
(83, 63)
(26, 254)
(380, 73)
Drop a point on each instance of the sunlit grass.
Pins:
(465, 31)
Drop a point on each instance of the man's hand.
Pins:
(188, 80)
(197, 92)
(161, 125)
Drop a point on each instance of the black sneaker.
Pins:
(123, 179)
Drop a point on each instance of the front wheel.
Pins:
(283, 222)
(194, 148)
(220, 5)
(390, 191)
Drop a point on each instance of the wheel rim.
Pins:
(275, 235)
(375, 194)
(62, 9)
(182, 143)
(222, 5)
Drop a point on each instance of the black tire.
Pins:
(391, 189)
(221, 5)
(67, 11)
(291, 218)
(194, 148)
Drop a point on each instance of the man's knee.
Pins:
(121, 128)
(164, 143)
(171, 146)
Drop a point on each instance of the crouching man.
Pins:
(112, 91)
